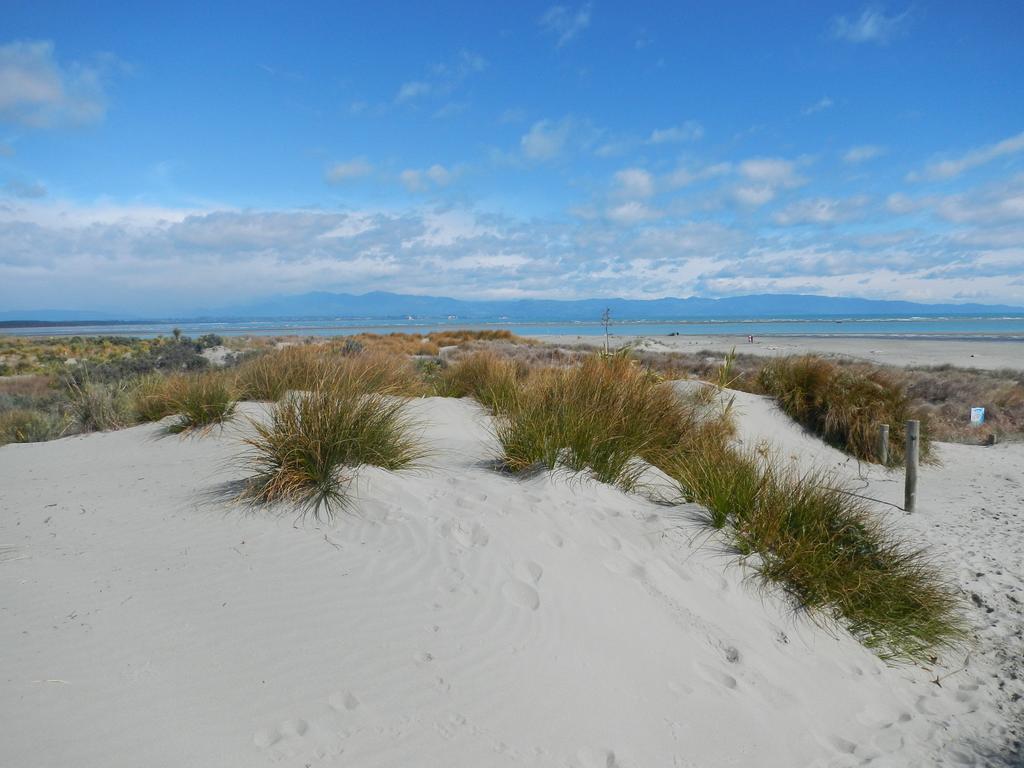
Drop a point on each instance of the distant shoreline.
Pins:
(995, 327)
(989, 353)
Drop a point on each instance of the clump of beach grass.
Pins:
(200, 402)
(809, 536)
(314, 441)
(303, 367)
(844, 406)
(607, 416)
(155, 396)
(268, 376)
(486, 377)
(98, 407)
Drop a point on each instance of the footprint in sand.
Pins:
(597, 758)
(549, 537)
(286, 738)
(889, 740)
(471, 500)
(523, 595)
(715, 675)
(469, 534)
(529, 571)
(344, 701)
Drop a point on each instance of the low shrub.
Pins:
(22, 425)
(316, 440)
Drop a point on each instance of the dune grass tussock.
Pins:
(380, 373)
(805, 534)
(300, 368)
(155, 397)
(606, 416)
(314, 441)
(484, 376)
(844, 406)
(200, 402)
(99, 407)
(268, 376)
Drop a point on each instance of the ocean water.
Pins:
(986, 327)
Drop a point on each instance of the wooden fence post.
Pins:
(912, 454)
(883, 445)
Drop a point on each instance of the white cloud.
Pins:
(994, 203)
(546, 139)
(631, 212)
(900, 204)
(156, 260)
(564, 23)
(683, 176)
(442, 79)
(614, 148)
(872, 26)
(862, 153)
(947, 169)
(419, 180)
(691, 130)
(353, 169)
(634, 182)
(753, 196)
(774, 172)
(411, 90)
(821, 210)
(37, 91)
(819, 106)
(991, 204)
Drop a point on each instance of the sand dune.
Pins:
(459, 617)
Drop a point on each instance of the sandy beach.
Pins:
(460, 617)
(963, 352)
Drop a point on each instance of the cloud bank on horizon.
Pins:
(165, 160)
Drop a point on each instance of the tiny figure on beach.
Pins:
(750, 339)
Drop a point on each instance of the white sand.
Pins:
(461, 618)
(962, 352)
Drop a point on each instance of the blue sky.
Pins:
(165, 158)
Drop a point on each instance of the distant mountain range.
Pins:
(382, 305)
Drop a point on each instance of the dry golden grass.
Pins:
(606, 416)
(300, 368)
(426, 344)
(845, 406)
(26, 386)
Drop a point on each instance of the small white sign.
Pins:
(977, 415)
